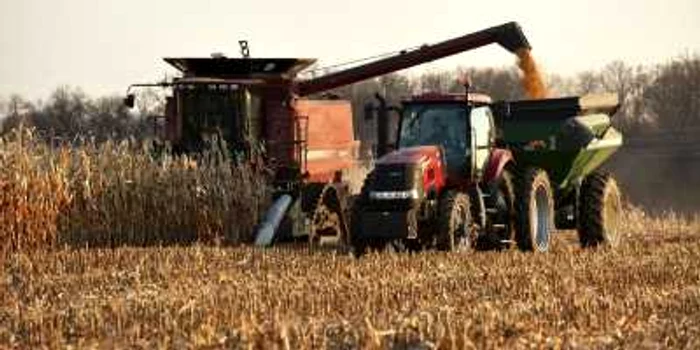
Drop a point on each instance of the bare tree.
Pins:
(499, 83)
(560, 86)
(19, 112)
(110, 119)
(439, 81)
(151, 102)
(394, 87)
(65, 115)
(588, 82)
(674, 94)
(629, 83)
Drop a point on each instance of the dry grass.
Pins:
(646, 294)
(121, 193)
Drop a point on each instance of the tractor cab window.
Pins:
(481, 122)
(440, 125)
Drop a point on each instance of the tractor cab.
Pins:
(461, 127)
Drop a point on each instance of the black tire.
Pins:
(503, 221)
(535, 210)
(361, 245)
(358, 245)
(455, 228)
(600, 208)
(326, 209)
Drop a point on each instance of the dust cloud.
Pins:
(532, 77)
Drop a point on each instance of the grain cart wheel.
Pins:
(600, 208)
(535, 210)
(327, 225)
(455, 228)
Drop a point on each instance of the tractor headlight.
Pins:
(389, 195)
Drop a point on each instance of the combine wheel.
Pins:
(327, 226)
(535, 210)
(600, 209)
(455, 228)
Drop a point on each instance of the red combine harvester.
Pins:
(253, 102)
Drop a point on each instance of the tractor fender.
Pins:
(498, 160)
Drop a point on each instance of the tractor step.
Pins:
(328, 240)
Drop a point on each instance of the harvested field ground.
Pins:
(645, 294)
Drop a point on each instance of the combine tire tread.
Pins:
(317, 195)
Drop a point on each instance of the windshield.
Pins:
(439, 125)
(207, 110)
(435, 124)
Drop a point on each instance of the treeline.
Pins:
(660, 117)
(69, 113)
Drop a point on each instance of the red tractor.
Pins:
(421, 194)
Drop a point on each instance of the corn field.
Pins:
(124, 193)
(57, 293)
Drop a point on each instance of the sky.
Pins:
(103, 46)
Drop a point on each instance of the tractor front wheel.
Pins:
(535, 210)
(600, 208)
(455, 228)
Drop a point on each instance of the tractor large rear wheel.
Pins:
(456, 231)
(501, 201)
(600, 208)
(535, 210)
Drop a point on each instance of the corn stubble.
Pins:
(646, 294)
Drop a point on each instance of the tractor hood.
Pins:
(411, 155)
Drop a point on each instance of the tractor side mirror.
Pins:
(130, 100)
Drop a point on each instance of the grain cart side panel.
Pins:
(569, 137)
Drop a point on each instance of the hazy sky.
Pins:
(102, 46)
